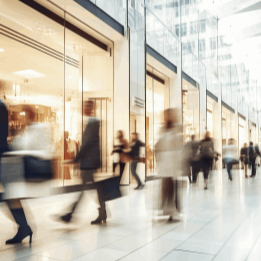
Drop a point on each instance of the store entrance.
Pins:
(53, 69)
(190, 99)
(157, 100)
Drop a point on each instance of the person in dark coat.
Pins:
(90, 161)
(135, 153)
(122, 145)
(3, 132)
(257, 151)
(207, 154)
(252, 159)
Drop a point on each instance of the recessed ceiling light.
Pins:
(1, 50)
(30, 74)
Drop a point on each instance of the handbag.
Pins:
(36, 169)
(109, 188)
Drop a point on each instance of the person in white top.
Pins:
(168, 156)
(34, 141)
(230, 156)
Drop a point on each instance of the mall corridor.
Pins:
(222, 223)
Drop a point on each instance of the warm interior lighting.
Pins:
(22, 113)
(30, 74)
(1, 50)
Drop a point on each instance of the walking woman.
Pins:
(168, 155)
(118, 149)
(206, 154)
(230, 156)
(35, 142)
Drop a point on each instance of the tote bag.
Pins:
(36, 169)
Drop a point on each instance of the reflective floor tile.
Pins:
(103, 254)
(187, 256)
(201, 246)
(144, 254)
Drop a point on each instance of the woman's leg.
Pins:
(24, 230)
(246, 170)
(229, 166)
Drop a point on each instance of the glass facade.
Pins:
(52, 69)
(55, 63)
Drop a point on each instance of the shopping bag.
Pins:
(109, 189)
(257, 162)
(36, 169)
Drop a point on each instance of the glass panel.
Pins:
(73, 101)
(32, 72)
(190, 96)
(115, 8)
(149, 124)
(137, 76)
(161, 103)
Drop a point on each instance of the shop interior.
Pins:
(190, 99)
(157, 100)
(228, 126)
(212, 124)
(242, 132)
(252, 132)
(53, 70)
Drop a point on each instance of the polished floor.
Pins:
(222, 223)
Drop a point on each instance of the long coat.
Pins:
(3, 128)
(89, 154)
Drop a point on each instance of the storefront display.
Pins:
(242, 132)
(190, 95)
(252, 132)
(157, 100)
(53, 69)
(229, 130)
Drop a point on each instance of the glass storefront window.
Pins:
(53, 69)
(190, 96)
(157, 100)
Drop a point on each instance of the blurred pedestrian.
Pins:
(135, 146)
(252, 159)
(119, 149)
(207, 154)
(244, 156)
(230, 156)
(34, 147)
(89, 158)
(168, 155)
(190, 159)
(257, 151)
(3, 133)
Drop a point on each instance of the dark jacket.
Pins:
(207, 149)
(135, 149)
(3, 128)
(251, 153)
(89, 154)
(257, 150)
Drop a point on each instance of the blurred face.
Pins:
(134, 137)
(119, 135)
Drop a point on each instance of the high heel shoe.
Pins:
(101, 218)
(21, 234)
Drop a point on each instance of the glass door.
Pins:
(157, 100)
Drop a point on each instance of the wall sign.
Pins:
(138, 102)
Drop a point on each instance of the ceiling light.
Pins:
(1, 50)
(30, 74)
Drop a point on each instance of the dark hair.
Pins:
(251, 143)
(88, 107)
